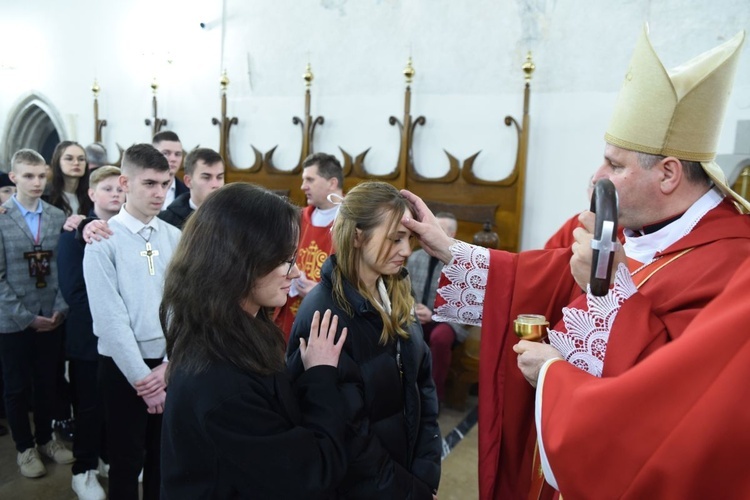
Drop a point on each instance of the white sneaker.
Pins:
(30, 463)
(87, 487)
(57, 452)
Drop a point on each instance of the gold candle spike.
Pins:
(531, 327)
(95, 88)
(224, 81)
(308, 76)
(409, 72)
(154, 86)
(528, 67)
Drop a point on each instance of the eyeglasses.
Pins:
(291, 262)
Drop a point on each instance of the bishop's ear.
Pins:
(672, 174)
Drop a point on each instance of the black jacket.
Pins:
(80, 341)
(178, 211)
(233, 434)
(393, 439)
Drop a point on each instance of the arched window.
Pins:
(32, 123)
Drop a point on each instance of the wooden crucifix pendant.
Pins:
(150, 253)
(39, 265)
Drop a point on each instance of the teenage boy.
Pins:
(124, 278)
(168, 143)
(80, 342)
(204, 173)
(31, 311)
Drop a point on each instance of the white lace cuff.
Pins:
(584, 344)
(467, 281)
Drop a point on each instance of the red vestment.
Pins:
(674, 426)
(314, 248)
(540, 282)
(563, 237)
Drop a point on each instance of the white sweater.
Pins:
(124, 297)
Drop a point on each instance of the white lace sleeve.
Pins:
(467, 281)
(584, 344)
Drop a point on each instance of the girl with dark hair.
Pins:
(234, 424)
(69, 191)
(70, 180)
(393, 439)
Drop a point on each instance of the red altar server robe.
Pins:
(674, 426)
(540, 282)
(563, 237)
(314, 248)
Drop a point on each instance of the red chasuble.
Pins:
(314, 248)
(539, 282)
(563, 237)
(674, 426)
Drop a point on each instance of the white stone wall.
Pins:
(467, 56)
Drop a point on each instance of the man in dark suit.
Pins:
(168, 144)
(32, 309)
(204, 173)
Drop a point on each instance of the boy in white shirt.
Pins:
(124, 278)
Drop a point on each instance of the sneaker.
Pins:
(30, 463)
(57, 452)
(64, 429)
(103, 469)
(87, 487)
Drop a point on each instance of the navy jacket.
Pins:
(178, 211)
(393, 440)
(80, 341)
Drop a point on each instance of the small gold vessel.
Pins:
(531, 327)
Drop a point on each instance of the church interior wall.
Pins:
(467, 57)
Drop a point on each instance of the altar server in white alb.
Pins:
(125, 278)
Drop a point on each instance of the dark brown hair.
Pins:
(239, 234)
(56, 196)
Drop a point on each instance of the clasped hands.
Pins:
(152, 389)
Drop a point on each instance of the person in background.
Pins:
(7, 188)
(235, 426)
(96, 154)
(394, 443)
(424, 271)
(69, 193)
(31, 311)
(204, 173)
(323, 184)
(80, 342)
(168, 144)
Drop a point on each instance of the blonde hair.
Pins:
(101, 173)
(366, 207)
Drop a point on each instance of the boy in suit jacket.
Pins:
(32, 309)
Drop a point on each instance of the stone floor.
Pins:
(459, 475)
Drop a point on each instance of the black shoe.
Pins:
(3, 430)
(64, 429)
